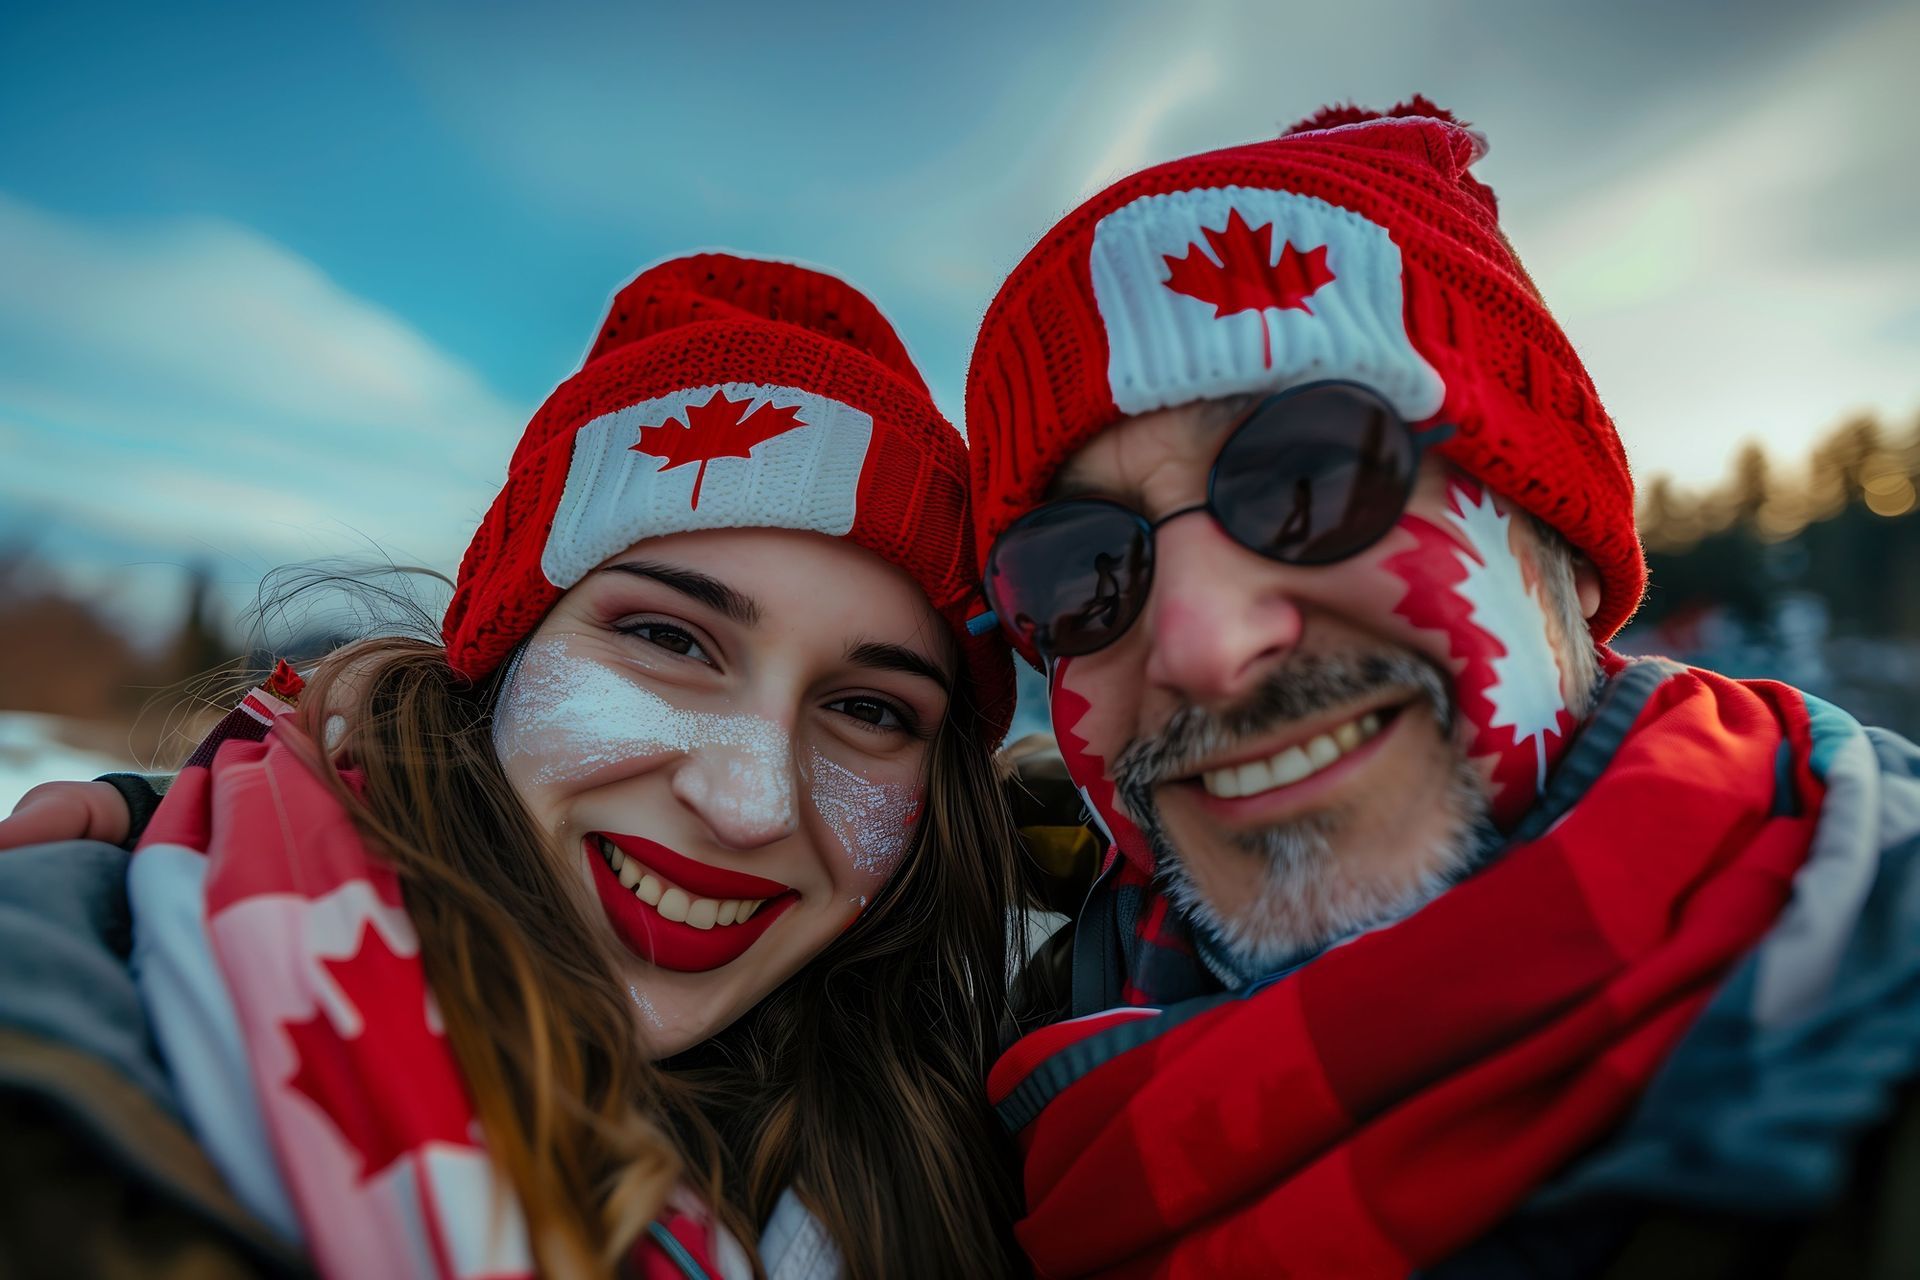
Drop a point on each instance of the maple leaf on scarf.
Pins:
(389, 994)
(1246, 278)
(1525, 689)
(725, 429)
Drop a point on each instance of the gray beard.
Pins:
(1308, 898)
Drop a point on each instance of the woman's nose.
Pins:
(744, 792)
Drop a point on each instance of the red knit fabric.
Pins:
(1530, 424)
(710, 319)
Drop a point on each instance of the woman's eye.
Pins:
(877, 712)
(666, 636)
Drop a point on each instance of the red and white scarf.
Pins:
(1377, 1109)
(372, 1129)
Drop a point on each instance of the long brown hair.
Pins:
(857, 1084)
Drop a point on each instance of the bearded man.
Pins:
(1433, 936)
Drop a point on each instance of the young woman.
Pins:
(659, 910)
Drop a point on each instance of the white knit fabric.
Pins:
(198, 1032)
(794, 1246)
(804, 478)
(1166, 348)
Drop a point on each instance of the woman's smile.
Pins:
(675, 912)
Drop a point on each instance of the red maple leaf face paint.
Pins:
(1465, 579)
(1071, 713)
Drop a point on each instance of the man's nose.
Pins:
(743, 791)
(1219, 616)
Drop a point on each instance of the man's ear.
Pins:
(1586, 585)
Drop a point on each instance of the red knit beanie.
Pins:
(728, 393)
(1357, 246)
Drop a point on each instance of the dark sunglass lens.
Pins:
(1068, 578)
(1315, 476)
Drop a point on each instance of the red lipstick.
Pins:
(701, 878)
(674, 944)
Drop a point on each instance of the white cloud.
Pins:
(1666, 184)
(194, 386)
(1715, 291)
(928, 216)
(1137, 121)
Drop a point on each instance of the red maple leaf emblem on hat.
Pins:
(719, 428)
(389, 993)
(1246, 278)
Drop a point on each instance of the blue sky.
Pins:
(279, 284)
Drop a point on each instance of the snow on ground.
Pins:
(33, 749)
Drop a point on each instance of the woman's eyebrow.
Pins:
(712, 592)
(896, 657)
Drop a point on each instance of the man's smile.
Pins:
(1281, 778)
(1300, 752)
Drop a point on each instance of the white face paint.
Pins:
(565, 717)
(645, 1006)
(1525, 690)
(873, 821)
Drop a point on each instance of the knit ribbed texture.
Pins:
(804, 343)
(1530, 424)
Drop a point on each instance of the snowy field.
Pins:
(37, 748)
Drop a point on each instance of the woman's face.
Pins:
(725, 733)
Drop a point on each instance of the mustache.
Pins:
(1304, 686)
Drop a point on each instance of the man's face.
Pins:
(1310, 751)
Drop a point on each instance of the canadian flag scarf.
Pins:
(1373, 1111)
(372, 1131)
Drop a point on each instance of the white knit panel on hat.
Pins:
(805, 473)
(1343, 318)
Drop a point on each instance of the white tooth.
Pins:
(1253, 778)
(1290, 765)
(747, 908)
(616, 859)
(1224, 783)
(729, 911)
(1369, 724)
(1322, 751)
(703, 913)
(674, 904)
(630, 873)
(650, 890)
(1348, 735)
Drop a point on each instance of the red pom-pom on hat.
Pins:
(722, 286)
(1337, 114)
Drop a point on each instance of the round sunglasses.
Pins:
(1310, 476)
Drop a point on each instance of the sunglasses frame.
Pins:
(1420, 442)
